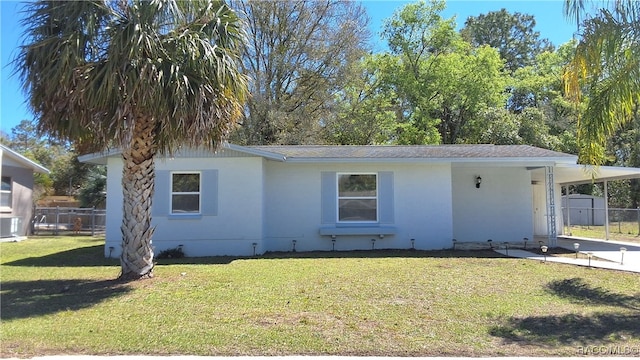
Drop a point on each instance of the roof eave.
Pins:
(24, 160)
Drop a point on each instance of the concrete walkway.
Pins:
(607, 250)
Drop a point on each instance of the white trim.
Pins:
(171, 193)
(377, 198)
(8, 209)
(23, 160)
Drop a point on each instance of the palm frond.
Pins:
(606, 65)
(91, 68)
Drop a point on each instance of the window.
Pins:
(357, 198)
(5, 193)
(185, 193)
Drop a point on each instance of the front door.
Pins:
(539, 210)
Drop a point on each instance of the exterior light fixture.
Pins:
(506, 247)
(589, 255)
(333, 243)
(490, 244)
(575, 247)
(293, 242)
(413, 244)
(254, 248)
(111, 248)
(622, 251)
(544, 252)
(525, 242)
(373, 244)
(478, 182)
(454, 243)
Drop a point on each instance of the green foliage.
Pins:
(115, 62)
(605, 67)
(443, 82)
(92, 192)
(175, 253)
(513, 35)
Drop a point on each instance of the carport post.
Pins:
(568, 211)
(606, 210)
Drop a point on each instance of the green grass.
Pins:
(59, 297)
(623, 231)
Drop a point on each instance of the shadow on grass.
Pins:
(25, 299)
(355, 254)
(80, 257)
(569, 329)
(574, 328)
(578, 291)
(94, 256)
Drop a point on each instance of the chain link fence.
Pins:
(624, 224)
(57, 220)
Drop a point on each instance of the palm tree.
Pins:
(606, 66)
(146, 76)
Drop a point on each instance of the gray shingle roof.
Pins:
(410, 152)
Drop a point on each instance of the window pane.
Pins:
(6, 183)
(186, 183)
(357, 185)
(185, 203)
(357, 210)
(5, 200)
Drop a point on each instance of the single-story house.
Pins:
(16, 193)
(245, 200)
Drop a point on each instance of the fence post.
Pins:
(93, 221)
(55, 229)
(638, 220)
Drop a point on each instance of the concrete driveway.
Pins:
(608, 250)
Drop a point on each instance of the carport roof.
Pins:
(567, 174)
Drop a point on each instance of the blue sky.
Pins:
(550, 22)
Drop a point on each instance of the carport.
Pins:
(564, 175)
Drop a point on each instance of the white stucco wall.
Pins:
(501, 209)
(422, 207)
(232, 231)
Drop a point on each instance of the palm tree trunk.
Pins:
(137, 185)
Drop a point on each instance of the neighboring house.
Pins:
(16, 200)
(254, 199)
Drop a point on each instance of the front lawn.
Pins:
(59, 297)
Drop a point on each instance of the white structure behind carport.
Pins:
(566, 175)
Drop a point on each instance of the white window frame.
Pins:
(172, 193)
(10, 192)
(338, 198)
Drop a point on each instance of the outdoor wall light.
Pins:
(622, 251)
(576, 246)
(478, 182)
(544, 252)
